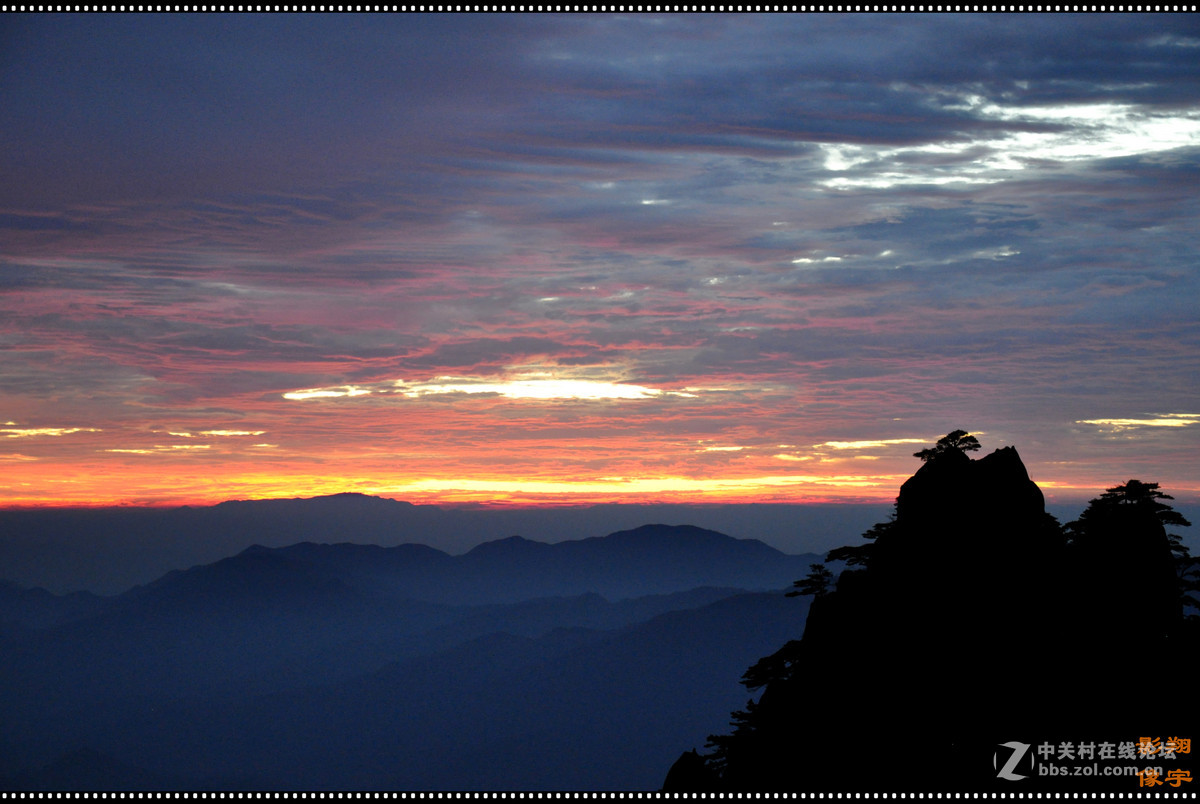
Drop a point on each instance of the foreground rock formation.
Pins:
(971, 619)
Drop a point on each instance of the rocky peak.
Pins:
(953, 488)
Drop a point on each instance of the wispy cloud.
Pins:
(887, 442)
(33, 432)
(1039, 138)
(327, 393)
(519, 388)
(158, 450)
(1159, 420)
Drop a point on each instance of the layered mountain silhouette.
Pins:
(652, 559)
(335, 665)
(35, 608)
(571, 709)
(110, 550)
(970, 620)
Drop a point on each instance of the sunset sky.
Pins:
(580, 258)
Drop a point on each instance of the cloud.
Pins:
(185, 434)
(159, 449)
(516, 387)
(1160, 420)
(32, 432)
(534, 389)
(327, 393)
(870, 444)
(1042, 138)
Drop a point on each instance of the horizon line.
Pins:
(1061, 497)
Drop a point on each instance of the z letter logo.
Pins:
(1018, 751)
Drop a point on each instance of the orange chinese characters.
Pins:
(1177, 777)
(1180, 745)
(1148, 747)
(1148, 778)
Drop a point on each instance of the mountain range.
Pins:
(346, 665)
(110, 550)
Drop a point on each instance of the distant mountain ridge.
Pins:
(649, 560)
(110, 550)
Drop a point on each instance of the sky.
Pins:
(552, 259)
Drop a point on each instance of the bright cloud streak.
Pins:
(31, 432)
(169, 448)
(1166, 420)
(327, 393)
(535, 389)
(1115, 130)
(1088, 132)
(871, 444)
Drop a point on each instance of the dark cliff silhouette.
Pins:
(970, 619)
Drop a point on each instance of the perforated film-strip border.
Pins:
(41, 796)
(620, 8)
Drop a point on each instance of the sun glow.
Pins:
(520, 387)
(327, 393)
(178, 482)
(726, 489)
(533, 389)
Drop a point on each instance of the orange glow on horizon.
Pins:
(182, 484)
(511, 458)
(143, 491)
